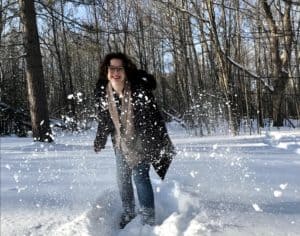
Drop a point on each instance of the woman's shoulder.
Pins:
(143, 80)
(100, 89)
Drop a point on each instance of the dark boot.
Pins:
(125, 219)
(147, 216)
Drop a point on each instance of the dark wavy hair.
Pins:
(129, 66)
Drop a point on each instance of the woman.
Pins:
(128, 112)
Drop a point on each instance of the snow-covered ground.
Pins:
(218, 185)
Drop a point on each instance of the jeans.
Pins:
(140, 174)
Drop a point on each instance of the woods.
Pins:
(217, 63)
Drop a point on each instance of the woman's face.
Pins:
(116, 71)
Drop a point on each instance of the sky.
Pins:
(216, 185)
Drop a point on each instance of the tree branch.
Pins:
(250, 73)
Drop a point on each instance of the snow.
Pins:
(217, 185)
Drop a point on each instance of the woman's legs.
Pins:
(145, 192)
(125, 189)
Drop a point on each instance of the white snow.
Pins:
(217, 185)
(277, 193)
(256, 207)
(71, 96)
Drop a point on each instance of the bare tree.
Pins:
(214, 61)
(280, 59)
(34, 74)
(223, 72)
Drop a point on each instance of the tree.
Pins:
(280, 61)
(215, 61)
(34, 74)
(224, 70)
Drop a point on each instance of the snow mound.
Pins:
(101, 219)
(178, 212)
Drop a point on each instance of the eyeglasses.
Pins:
(118, 69)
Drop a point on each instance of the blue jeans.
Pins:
(140, 174)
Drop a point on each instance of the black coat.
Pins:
(148, 122)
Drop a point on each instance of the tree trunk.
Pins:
(72, 103)
(279, 63)
(1, 67)
(63, 101)
(223, 73)
(34, 74)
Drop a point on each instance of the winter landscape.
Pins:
(215, 62)
(217, 185)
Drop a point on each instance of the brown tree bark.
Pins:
(223, 73)
(279, 63)
(56, 43)
(34, 74)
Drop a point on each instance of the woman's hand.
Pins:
(97, 146)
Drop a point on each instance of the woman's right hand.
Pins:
(97, 146)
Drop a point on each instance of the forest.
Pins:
(216, 62)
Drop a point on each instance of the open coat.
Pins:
(148, 121)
